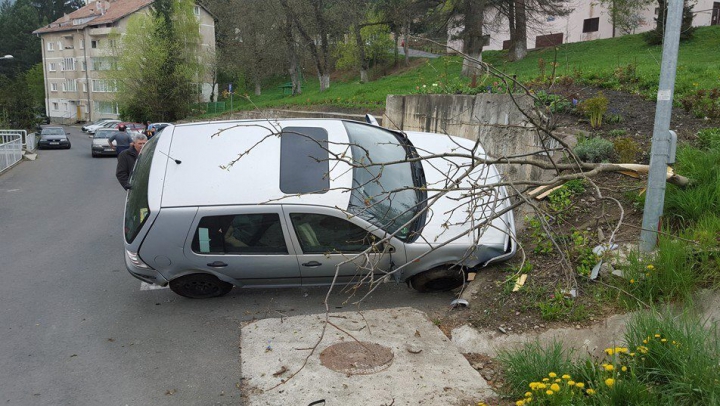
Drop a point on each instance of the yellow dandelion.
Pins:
(590, 391)
(609, 367)
(632, 281)
(533, 385)
(558, 380)
(580, 385)
(555, 387)
(624, 368)
(621, 350)
(566, 377)
(528, 394)
(657, 335)
(542, 386)
(546, 379)
(552, 374)
(650, 267)
(609, 351)
(610, 382)
(664, 340)
(644, 341)
(549, 392)
(632, 354)
(520, 403)
(571, 383)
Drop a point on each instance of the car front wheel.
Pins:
(200, 286)
(438, 280)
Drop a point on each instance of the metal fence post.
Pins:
(660, 150)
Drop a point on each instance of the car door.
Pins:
(247, 243)
(326, 241)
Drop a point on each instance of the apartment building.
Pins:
(76, 50)
(588, 20)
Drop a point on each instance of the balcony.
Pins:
(96, 32)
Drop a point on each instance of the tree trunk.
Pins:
(406, 38)
(518, 37)
(324, 71)
(472, 37)
(324, 82)
(258, 87)
(396, 53)
(319, 65)
(361, 55)
(292, 56)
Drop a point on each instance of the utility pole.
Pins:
(661, 141)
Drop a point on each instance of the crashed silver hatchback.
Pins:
(301, 202)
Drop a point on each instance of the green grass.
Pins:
(592, 62)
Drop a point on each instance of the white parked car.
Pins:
(309, 202)
(90, 129)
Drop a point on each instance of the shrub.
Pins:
(702, 103)
(532, 362)
(554, 102)
(617, 133)
(595, 108)
(595, 149)
(626, 149)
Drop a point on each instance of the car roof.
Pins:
(206, 150)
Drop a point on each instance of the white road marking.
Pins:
(147, 286)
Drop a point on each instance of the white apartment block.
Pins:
(587, 21)
(75, 52)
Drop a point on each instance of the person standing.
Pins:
(127, 158)
(121, 138)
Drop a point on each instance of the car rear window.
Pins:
(137, 208)
(304, 162)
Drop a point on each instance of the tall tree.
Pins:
(51, 10)
(17, 22)
(687, 31)
(625, 14)
(161, 83)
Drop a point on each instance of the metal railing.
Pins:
(28, 141)
(10, 150)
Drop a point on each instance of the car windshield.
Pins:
(388, 196)
(53, 131)
(103, 133)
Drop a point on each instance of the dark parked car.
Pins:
(53, 137)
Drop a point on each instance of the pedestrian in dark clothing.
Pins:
(121, 138)
(126, 160)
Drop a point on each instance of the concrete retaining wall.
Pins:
(494, 119)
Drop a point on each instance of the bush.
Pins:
(702, 103)
(595, 108)
(626, 149)
(595, 149)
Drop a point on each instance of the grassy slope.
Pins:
(698, 68)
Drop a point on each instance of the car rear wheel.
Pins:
(200, 286)
(438, 280)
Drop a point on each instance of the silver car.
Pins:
(214, 205)
(100, 146)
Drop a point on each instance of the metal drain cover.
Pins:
(356, 358)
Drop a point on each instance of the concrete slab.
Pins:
(426, 368)
(29, 156)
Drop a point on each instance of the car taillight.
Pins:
(135, 260)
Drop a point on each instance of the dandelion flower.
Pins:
(609, 351)
(549, 392)
(528, 394)
(558, 380)
(542, 386)
(650, 267)
(520, 403)
(571, 383)
(555, 387)
(624, 368)
(566, 377)
(552, 374)
(610, 382)
(657, 335)
(546, 380)
(664, 340)
(580, 385)
(533, 385)
(632, 281)
(590, 391)
(609, 367)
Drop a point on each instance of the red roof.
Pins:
(94, 14)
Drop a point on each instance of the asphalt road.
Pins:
(77, 329)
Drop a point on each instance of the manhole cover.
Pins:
(356, 358)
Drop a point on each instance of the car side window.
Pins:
(240, 234)
(321, 234)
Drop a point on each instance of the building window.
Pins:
(55, 106)
(99, 85)
(82, 44)
(111, 43)
(59, 45)
(94, 43)
(591, 24)
(196, 10)
(65, 107)
(68, 64)
(53, 87)
(107, 107)
(52, 66)
(84, 87)
(64, 86)
(70, 85)
(83, 65)
(50, 46)
(104, 63)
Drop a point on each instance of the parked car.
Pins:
(99, 146)
(53, 137)
(90, 129)
(95, 123)
(155, 128)
(137, 128)
(285, 215)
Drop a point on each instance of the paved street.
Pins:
(77, 329)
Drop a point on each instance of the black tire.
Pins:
(68, 146)
(94, 155)
(200, 286)
(438, 280)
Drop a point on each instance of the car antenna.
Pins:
(177, 161)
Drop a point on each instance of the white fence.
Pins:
(10, 150)
(29, 142)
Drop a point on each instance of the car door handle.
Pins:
(217, 264)
(312, 264)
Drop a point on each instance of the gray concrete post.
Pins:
(660, 150)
